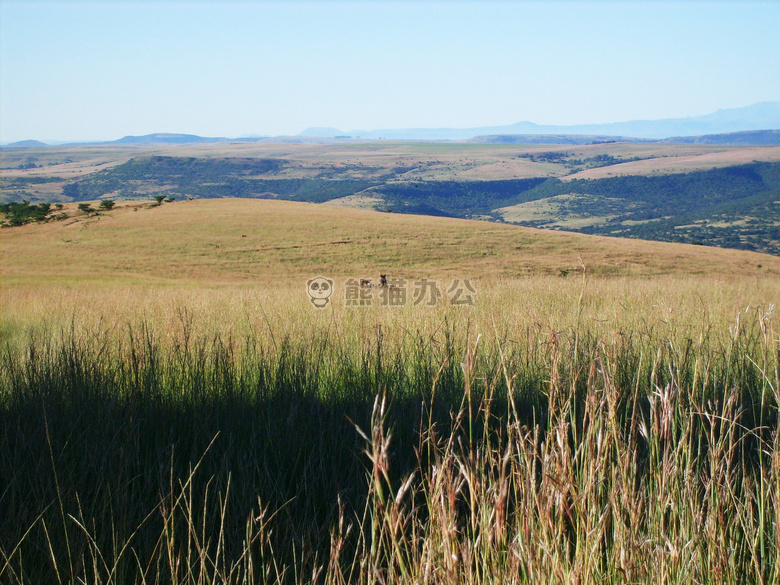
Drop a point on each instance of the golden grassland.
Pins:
(238, 264)
(678, 308)
(176, 411)
(260, 241)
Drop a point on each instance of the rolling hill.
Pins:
(250, 241)
(26, 144)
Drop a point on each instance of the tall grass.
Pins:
(561, 436)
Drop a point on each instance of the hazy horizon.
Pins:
(370, 133)
(92, 71)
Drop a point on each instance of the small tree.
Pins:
(159, 199)
(107, 204)
(85, 207)
(24, 212)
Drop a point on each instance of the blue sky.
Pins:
(102, 70)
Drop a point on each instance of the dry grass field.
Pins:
(241, 241)
(223, 256)
(174, 410)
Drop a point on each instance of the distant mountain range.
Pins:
(756, 124)
(760, 116)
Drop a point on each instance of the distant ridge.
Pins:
(754, 138)
(26, 144)
(162, 138)
(759, 116)
(574, 139)
(748, 138)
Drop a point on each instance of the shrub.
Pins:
(24, 212)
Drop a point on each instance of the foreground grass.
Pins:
(559, 431)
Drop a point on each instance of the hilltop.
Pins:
(26, 144)
(251, 241)
(165, 138)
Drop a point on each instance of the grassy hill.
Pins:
(250, 241)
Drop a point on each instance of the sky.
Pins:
(100, 70)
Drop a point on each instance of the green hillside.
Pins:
(733, 207)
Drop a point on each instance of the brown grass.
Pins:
(640, 469)
(252, 241)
